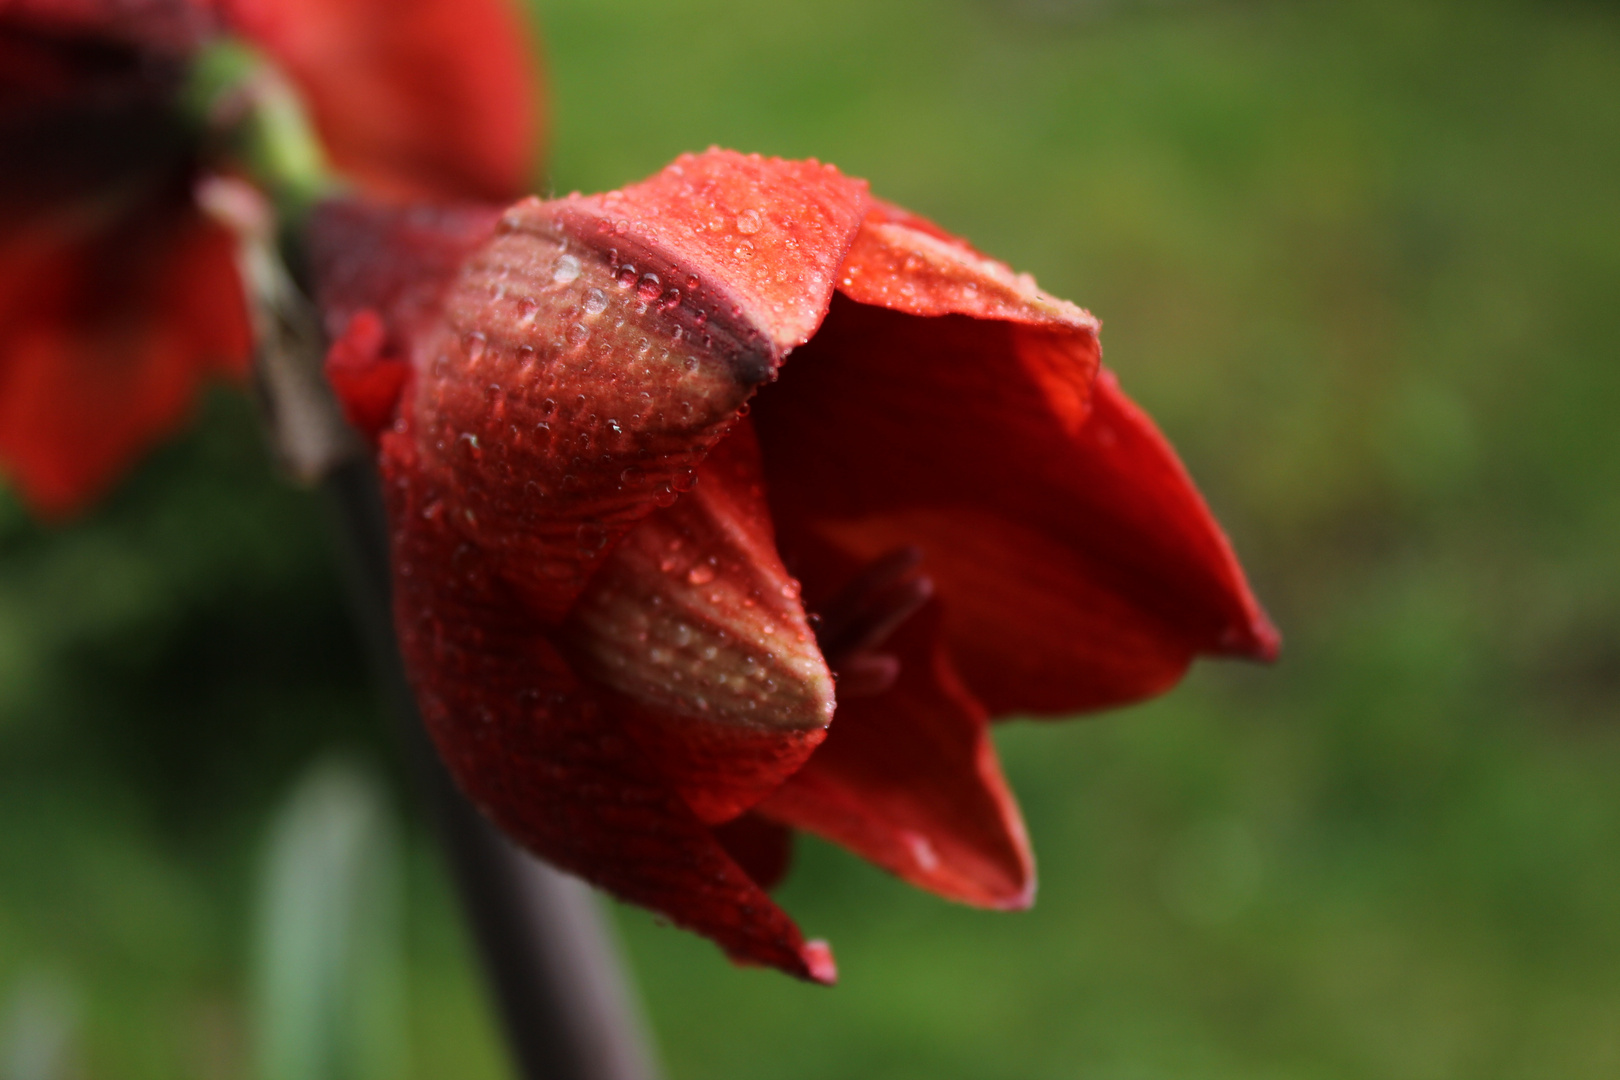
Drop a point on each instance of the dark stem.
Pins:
(548, 953)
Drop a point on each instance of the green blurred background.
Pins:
(1359, 259)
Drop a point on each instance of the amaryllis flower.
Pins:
(738, 501)
(118, 296)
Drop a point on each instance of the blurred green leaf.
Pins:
(329, 1001)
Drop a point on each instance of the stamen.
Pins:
(865, 615)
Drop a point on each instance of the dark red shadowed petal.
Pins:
(172, 27)
(696, 626)
(763, 848)
(536, 750)
(1078, 565)
(395, 261)
(106, 341)
(909, 779)
(413, 98)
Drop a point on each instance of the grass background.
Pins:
(1359, 259)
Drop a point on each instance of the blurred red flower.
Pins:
(117, 296)
(632, 594)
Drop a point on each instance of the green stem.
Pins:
(251, 115)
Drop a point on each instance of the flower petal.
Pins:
(1078, 565)
(413, 98)
(580, 374)
(104, 342)
(909, 779)
(694, 620)
(538, 752)
(762, 237)
(763, 848)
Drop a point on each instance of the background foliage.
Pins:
(1359, 259)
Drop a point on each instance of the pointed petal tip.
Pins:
(818, 962)
(1258, 639)
(1022, 900)
(1267, 645)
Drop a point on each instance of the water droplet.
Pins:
(595, 302)
(701, 574)
(626, 276)
(613, 426)
(744, 250)
(748, 222)
(474, 344)
(692, 281)
(670, 300)
(578, 333)
(566, 270)
(649, 288)
(684, 479)
(592, 537)
(548, 408)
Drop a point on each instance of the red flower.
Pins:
(599, 548)
(117, 296)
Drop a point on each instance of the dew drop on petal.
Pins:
(566, 270)
(595, 302)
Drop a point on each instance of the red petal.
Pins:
(105, 343)
(1078, 565)
(763, 848)
(909, 779)
(580, 374)
(762, 237)
(537, 752)
(695, 622)
(367, 379)
(413, 98)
